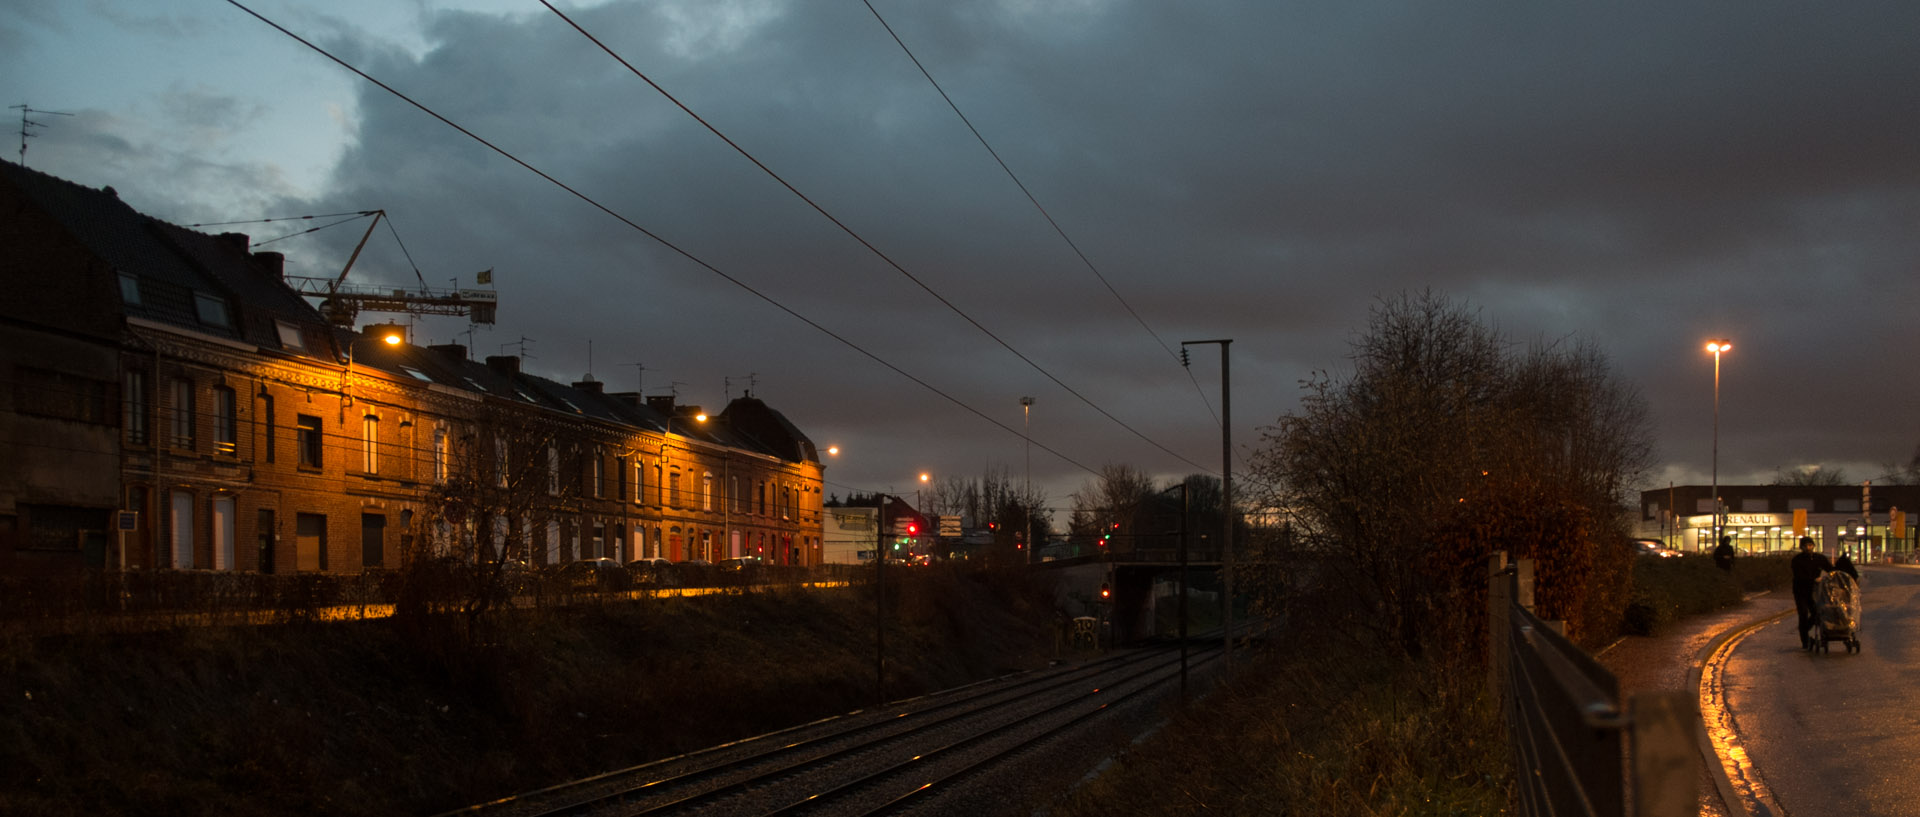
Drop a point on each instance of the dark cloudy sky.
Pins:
(1644, 175)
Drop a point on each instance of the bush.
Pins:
(1667, 590)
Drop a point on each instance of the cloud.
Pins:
(1647, 175)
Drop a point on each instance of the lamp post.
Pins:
(1717, 346)
(673, 500)
(1026, 433)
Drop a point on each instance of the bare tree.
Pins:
(512, 482)
(1908, 474)
(1810, 475)
(1442, 446)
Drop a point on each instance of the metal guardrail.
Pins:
(1576, 749)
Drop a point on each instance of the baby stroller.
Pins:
(1836, 611)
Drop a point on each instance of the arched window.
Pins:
(706, 491)
(440, 455)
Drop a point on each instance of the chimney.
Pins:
(238, 241)
(631, 398)
(590, 385)
(662, 403)
(452, 350)
(505, 365)
(271, 264)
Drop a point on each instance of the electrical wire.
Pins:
(590, 201)
(1061, 231)
(863, 241)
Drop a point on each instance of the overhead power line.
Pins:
(864, 242)
(590, 201)
(1061, 231)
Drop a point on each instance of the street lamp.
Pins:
(673, 500)
(1717, 346)
(1026, 433)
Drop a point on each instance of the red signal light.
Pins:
(1106, 591)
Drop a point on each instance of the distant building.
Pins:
(1762, 518)
(175, 405)
(848, 535)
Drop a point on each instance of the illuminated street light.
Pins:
(1717, 346)
(1026, 433)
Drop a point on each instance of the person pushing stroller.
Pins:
(1807, 567)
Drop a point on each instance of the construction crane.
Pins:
(340, 302)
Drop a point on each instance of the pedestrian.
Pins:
(1723, 555)
(1845, 565)
(1807, 567)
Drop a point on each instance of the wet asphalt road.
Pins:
(1833, 734)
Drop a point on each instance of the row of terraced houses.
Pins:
(173, 404)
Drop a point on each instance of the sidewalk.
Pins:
(1665, 663)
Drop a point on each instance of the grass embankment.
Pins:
(1327, 726)
(372, 718)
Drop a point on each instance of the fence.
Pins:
(1576, 749)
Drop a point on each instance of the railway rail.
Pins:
(902, 757)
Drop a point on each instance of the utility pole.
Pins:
(1226, 488)
(1026, 420)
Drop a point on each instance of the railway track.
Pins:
(888, 760)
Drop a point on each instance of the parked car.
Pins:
(740, 564)
(653, 571)
(594, 574)
(1653, 547)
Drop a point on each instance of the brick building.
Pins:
(174, 375)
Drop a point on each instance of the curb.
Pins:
(1728, 797)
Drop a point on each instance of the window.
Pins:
(1753, 505)
(307, 439)
(1799, 504)
(553, 469)
(266, 416)
(1846, 506)
(599, 475)
(440, 456)
(370, 444)
(290, 336)
(136, 400)
(226, 430)
(129, 289)
(211, 310)
(673, 488)
(500, 461)
(183, 414)
(660, 485)
(706, 491)
(61, 396)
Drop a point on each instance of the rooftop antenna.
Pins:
(522, 343)
(589, 377)
(26, 126)
(727, 383)
(639, 378)
(673, 388)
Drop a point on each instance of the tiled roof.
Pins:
(209, 284)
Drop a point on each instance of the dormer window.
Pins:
(129, 289)
(211, 310)
(290, 336)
